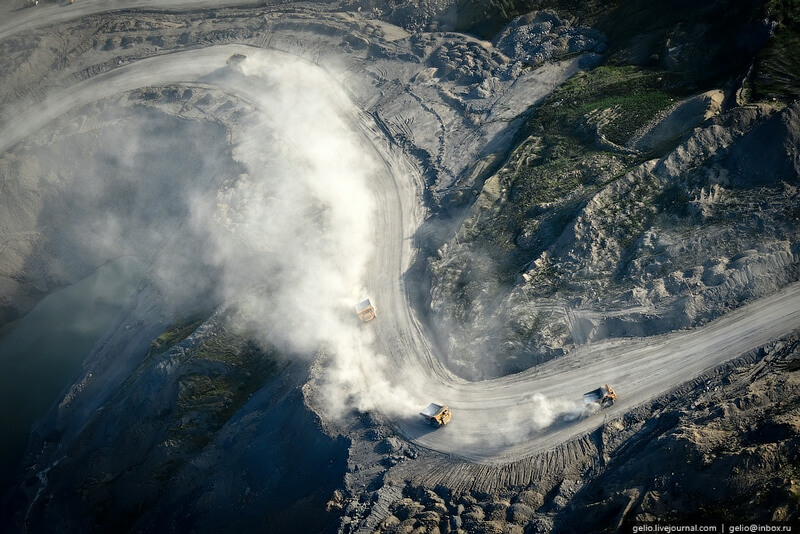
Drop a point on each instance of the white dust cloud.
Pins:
(537, 412)
(293, 235)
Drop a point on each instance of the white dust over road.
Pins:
(294, 224)
(303, 221)
(325, 215)
(289, 238)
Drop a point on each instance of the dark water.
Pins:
(43, 354)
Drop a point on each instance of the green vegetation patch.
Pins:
(229, 349)
(776, 71)
(222, 368)
(226, 370)
(558, 164)
(635, 97)
(173, 335)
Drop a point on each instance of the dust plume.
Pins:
(271, 213)
(499, 428)
(292, 235)
(537, 412)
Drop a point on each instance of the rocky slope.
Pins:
(209, 403)
(629, 207)
(592, 250)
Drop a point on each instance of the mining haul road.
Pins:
(505, 419)
(494, 421)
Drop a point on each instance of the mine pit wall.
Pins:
(718, 268)
(460, 476)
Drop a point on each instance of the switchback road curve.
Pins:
(494, 421)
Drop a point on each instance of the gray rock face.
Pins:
(770, 153)
(541, 36)
(390, 445)
(671, 243)
(407, 509)
(520, 513)
(679, 121)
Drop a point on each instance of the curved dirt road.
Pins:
(505, 419)
(494, 421)
(18, 18)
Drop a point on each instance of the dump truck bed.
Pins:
(432, 410)
(235, 59)
(595, 395)
(365, 310)
(436, 414)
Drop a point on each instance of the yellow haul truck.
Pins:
(365, 310)
(604, 396)
(436, 415)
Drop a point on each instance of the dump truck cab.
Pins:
(437, 415)
(365, 310)
(604, 396)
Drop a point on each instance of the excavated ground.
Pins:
(431, 97)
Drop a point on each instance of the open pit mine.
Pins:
(514, 266)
